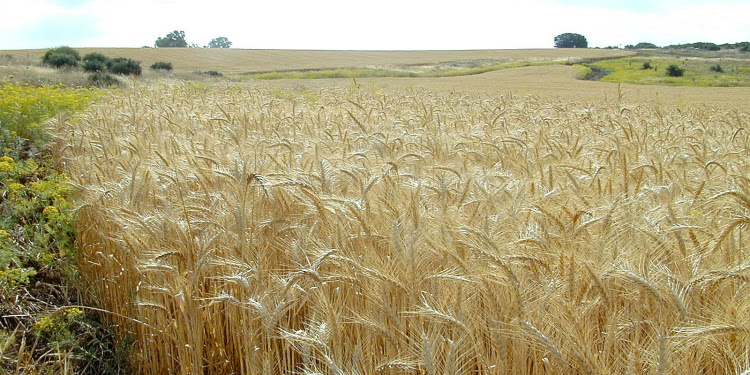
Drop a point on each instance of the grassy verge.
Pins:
(436, 72)
(42, 327)
(698, 71)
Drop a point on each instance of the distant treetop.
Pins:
(698, 45)
(174, 39)
(642, 45)
(571, 40)
(220, 42)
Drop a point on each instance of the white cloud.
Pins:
(385, 24)
(16, 15)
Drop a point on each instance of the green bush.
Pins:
(646, 65)
(161, 65)
(675, 71)
(94, 66)
(95, 56)
(700, 45)
(212, 73)
(61, 56)
(60, 61)
(646, 45)
(716, 68)
(123, 66)
(101, 79)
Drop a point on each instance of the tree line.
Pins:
(573, 40)
(177, 39)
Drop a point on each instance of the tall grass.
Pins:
(697, 72)
(354, 231)
(439, 70)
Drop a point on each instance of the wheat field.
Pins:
(231, 228)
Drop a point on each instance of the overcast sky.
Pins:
(381, 24)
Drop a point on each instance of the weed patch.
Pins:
(37, 253)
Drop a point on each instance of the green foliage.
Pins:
(57, 327)
(571, 40)
(716, 68)
(24, 108)
(220, 42)
(212, 73)
(94, 66)
(675, 71)
(642, 45)
(698, 45)
(124, 66)
(61, 57)
(697, 71)
(12, 278)
(60, 61)
(161, 65)
(95, 56)
(646, 65)
(36, 242)
(174, 39)
(103, 80)
(36, 225)
(372, 73)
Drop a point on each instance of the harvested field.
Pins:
(236, 61)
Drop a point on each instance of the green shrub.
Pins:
(59, 61)
(123, 66)
(61, 56)
(94, 66)
(716, 68)
(95, 56)
(675, 71)
(700, 45)
(212, 73)
(161, 65)
(101, 79)
(646, 65)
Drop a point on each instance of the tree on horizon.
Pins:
(571, 40)
(174, 39)
(220, 42)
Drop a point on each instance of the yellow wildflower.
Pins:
(14, 187)
(50, 211)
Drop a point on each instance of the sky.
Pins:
(370, 25)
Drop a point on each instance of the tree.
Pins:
(220, 42)
(571, 40)
(173, 39)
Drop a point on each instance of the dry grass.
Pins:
(238, 61)
(347, 230)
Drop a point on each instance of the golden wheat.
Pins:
(361, 231)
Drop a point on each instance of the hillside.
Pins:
(243, 61)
